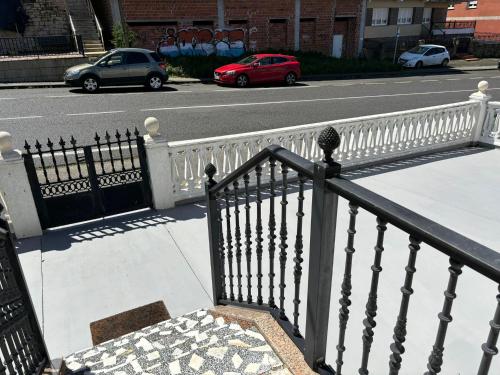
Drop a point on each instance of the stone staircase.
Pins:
(84, 21)
(196, 343)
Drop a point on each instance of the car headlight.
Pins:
(71, 73)
(230, 73)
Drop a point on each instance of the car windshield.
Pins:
(419, 50)
(102, 57)
(247, 60)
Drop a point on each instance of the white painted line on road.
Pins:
(376, 83)
(306, 100)
(453, 79)
(94, 113)
(8, 98)
(430, 80)
(19, 118)
(495, 77)
(476, 78)
(404, 81)
(176, 92)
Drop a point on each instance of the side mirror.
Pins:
(256, 65)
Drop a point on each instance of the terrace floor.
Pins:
(80, 274)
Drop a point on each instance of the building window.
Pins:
(472, 4)
(405, 16)
(277, 20)
(208, 24)
(427, 16)
(380, 16)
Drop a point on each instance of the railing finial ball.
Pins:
(483, 86)
(328, 141)
(210, 171)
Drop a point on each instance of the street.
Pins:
(189, 111)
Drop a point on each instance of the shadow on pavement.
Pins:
(122, 90)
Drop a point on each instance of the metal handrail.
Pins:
(472, 254)
(99, 28)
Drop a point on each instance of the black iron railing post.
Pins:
(214, 235)
(323, 223)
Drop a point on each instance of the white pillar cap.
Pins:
(6, 148)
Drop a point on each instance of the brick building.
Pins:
(485, 13)
(327, 26)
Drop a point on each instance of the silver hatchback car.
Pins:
(122, 66)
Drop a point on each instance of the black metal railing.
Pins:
(274, 173)
(41, 46)
(22, 348)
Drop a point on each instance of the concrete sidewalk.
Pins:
(84, 273)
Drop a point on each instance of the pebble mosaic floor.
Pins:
(195, 343)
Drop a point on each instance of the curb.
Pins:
(318, 77)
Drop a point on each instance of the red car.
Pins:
(259, 68)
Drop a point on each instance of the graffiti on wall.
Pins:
(202, 42)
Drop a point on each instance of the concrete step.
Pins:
(195, 343)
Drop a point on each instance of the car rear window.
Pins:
(136, 58)
(155, 56)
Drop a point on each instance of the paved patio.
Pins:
(84, 273)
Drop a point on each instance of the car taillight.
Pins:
(163, 66)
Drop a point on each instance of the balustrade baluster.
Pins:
(65, 157)
(108, 142)
(248, 238)
(283, 238)
(272, 229)
(38, 147)
(436, 357)
(299, 245)
(129, 143)
(101, 159)
(229, 248)
(399, 336)
(371, 305)
(489, 347)
(237, 236)
(50, 145)
(77, 160)
(118, 137)
(258, 230)
(345, 302)
(222, 253)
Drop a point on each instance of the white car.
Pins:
(425, 55)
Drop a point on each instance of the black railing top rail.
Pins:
(294, 161)
(474, 255)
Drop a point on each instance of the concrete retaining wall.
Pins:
(37, 70)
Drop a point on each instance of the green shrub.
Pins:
(123, 37)
(312, 63)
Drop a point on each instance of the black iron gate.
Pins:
(22, 349)
(72, 183)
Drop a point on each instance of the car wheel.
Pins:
(90, 84)
(419, 65)
(242, 81)
(155, 82)
(290, 79)
(445, 62)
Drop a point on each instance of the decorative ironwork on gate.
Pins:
(73, 183)
(22, 349)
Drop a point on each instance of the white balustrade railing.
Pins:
(492, 122)
(363, 140)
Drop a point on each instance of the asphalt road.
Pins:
(189, 111)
